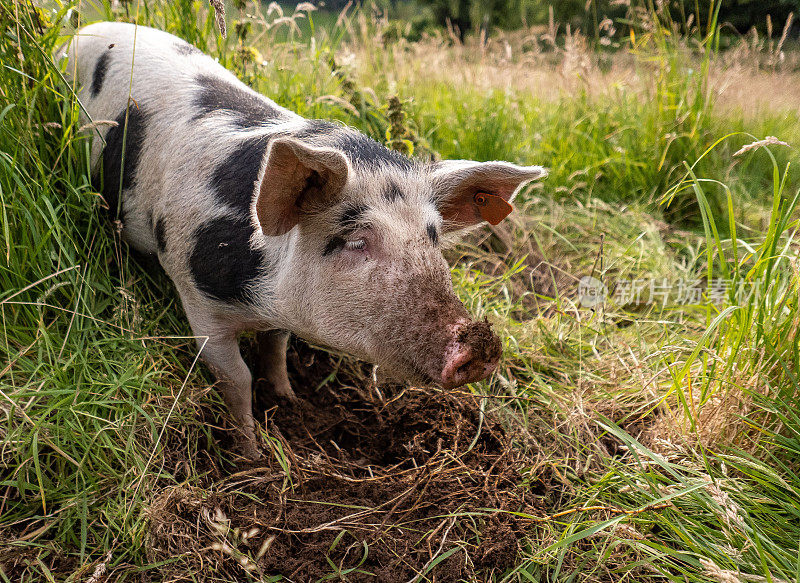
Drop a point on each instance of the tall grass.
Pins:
(88, 373)
(726, 443)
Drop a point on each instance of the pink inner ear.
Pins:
(494, 183)
(482, 206)
(463, 209)
(283, 182)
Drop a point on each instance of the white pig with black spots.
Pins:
(268, 221)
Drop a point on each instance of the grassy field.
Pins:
(653, 437)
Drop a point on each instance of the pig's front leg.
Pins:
(219, 348)
(272, 346)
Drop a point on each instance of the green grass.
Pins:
(673, 433)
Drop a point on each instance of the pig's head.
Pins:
(364, 228)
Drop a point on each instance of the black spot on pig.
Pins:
(333, 244)
(352, 215)
(392, 191)
(100, 73)
(363, 150)
(319, 129)
(233, 181)
(160, 234)
(359, 148)
(185, 49)
(222, 262)
(433, 234)
(118, 171)
(245, 108)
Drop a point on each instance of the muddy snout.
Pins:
(471, 355)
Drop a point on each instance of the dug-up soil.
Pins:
(360, 482)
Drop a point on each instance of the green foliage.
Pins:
(80, 426)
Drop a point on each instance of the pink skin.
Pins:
(469, 350)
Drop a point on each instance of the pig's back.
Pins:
(114, 60)
(189, 121)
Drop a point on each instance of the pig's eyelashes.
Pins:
(357, 245)
(337, 244)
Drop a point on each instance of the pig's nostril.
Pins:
(472, 354)
(463, 367)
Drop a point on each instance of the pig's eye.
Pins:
(356, 245)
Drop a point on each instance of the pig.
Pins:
(267, 221)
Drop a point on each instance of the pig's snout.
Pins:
(471, 355)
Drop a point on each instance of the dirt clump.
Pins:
(484, 342)
(360, 483)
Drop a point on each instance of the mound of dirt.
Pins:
(358, 483)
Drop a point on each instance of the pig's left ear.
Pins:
(468, 192)
(296, 177)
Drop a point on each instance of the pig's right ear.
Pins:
(296, 177)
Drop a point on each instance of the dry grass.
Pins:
(526, 64)
(398, 482)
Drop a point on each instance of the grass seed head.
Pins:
(718, 574)
(768, 141)
(219, 14)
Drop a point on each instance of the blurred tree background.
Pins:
(469, 16)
